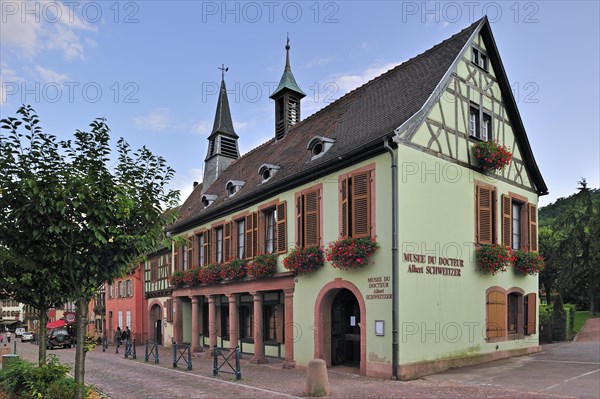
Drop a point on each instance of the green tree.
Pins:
(97, 216)
(578, 250)
(548, 248)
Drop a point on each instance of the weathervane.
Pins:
(223, 70)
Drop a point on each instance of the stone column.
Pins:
(195, 332)
(177, 321)
(233, 321)
(212, 323)
(289, 361)
(259, 344)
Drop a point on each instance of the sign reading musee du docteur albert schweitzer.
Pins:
(427, 264)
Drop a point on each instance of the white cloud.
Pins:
(317, 62)
(8, 79)
(240, 125)
(50, 76)
(348, 82)
(184, 182)
(157, 120)
(33, 27)
(202, 127)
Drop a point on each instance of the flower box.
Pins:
(177, 279)
(351, 253)
(211, 274)
(491, 155)
(304, 260)
(526, 263)
(235, 269)
(262, 266)
(493, 258)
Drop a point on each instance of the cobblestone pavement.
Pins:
(560, 371)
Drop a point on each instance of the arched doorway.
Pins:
(340, 318)
(156, 324)
(345, 330)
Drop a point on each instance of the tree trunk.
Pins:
(41, 336)
(81, 322)
(593, 295)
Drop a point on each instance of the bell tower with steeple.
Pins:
(287, 98)
(222, 142)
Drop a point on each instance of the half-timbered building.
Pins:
(393, 161)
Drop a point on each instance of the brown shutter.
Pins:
(207, 247)
(485, 215)
(311, 219)
(506, 220)
(281, 228)
(344, 206)
(299, 221)
(531, 316)
(176, 264)
(533, 230)
(361, 205)
(227, 242)
(496, 319)
(255, 234)
(248, 237)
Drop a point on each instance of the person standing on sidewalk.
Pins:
(118, 337)
(126, 334)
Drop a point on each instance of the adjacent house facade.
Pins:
(392, 162)
(125, 305)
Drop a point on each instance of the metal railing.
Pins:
(182, 351)
(151, 350)
(216, 366)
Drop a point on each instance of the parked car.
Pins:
(19, 331)
(58, 337)
(27, 336)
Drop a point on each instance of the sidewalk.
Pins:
(590, 331)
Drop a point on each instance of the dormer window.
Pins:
(233, 186)
(318, 146)
(208, 199)
(479, 58)
(267, 171)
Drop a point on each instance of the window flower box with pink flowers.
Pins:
(304, 260)
(492, 156)
(351, 253)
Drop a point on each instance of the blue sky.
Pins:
(150, 67)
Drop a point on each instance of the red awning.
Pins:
(56, 324)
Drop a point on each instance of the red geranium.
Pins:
(493, 258)
(492, 155)
(262, 266)
(304, 260)
(351, 253)
(234, 269)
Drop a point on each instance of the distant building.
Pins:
(125, 305)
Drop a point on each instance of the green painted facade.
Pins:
(442, 312)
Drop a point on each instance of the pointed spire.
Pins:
(287, 79)
(223, 123)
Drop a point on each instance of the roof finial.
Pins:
(223, 70)
(287, 52)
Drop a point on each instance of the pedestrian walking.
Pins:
(126, 334)
(8, 336)
(118, 337)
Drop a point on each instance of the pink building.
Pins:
(126, 305)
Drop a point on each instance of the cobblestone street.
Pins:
(121, 378)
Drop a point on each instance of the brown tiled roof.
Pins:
(356, 121)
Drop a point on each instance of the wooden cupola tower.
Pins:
(287, 98)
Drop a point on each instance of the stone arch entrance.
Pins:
(156, 327)
(336, 303)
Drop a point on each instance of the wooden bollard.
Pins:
(317, 380)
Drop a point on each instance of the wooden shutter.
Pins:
(281, 228)
(311, 219)
(251, 235)
(207, 247)
(227, 242)
(344, 207)
(485, 215)
(361, 205)
(176, 258)
(506, 220)
(531, 316)
(496, 314)
(300, 221)
(533, 229)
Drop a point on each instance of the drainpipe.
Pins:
(394, 258)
